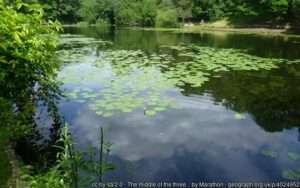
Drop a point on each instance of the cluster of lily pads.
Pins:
(76, 48)
(175, 73)
(293, 174)
(219, 59)
(193, 65)
(71, 40)
(138, 79)
(118, 93)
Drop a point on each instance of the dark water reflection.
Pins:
(265, 46)
(222, 128)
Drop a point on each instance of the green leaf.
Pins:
(293, 156)
(239, 116)
(269, 153)
(291, 174)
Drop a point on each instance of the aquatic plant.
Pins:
(269, 153)
(70, 162)
(239, 116)
(140, 80)
(291, 174)
(75, 48)
(64, 174)
(97, 163)
(293, 156)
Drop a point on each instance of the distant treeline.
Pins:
(171, 13)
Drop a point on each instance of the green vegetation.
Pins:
(293, 174)
(269, 153)
(70, 162)
(5, 168)
(131, 85)
(167, 18)
(27, 71)
(167, 13)
(27, 47)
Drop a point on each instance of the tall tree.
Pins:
(184, 8)
(89, 10)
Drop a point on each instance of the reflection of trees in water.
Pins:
(272, 98)
(37, 148)
(275, 46)
(20, 102)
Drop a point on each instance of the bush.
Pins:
(296, 11)
(102, 23)
(27, 63)
(82, 24)
(167, 18)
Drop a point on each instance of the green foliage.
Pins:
(295, 11)
(129, 85)
(26, 44)
(89, 10)
(102, 23)
(51, 179)
(144, 12)
(127, 13)
(5, 167)
(167, 18)
(148, 12)
(280, 7)
(27, 66)
(82, 24)
(65, 11)
(65, 174)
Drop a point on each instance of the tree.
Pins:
(184, 8)
(62, 10)
(167, 18)
(127, 12)
(148, 9)
(89, 10)
(27, 64)
(294, 11)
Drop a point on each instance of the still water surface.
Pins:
(237, 125)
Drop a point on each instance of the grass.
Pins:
(5, 168)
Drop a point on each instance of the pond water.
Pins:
(215, 107)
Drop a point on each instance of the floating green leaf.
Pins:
(269, 153)
(293, 156)
(133, 79)
(291, 174)
(239, 116)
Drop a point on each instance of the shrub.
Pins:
(296, 10)
(102, 23)
(27, 62)
(82, 24)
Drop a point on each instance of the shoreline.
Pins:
(206, 28)
(201, 29)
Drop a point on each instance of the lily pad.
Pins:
(291, 174)
(269, 153)
(239, 116)
(293, 156)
